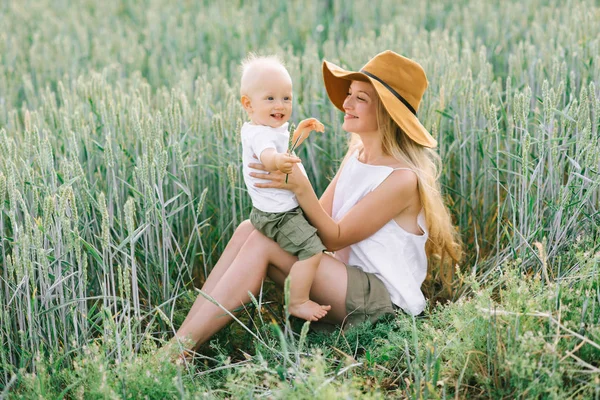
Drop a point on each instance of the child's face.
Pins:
(270, 100)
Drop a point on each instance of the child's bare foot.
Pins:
(309, 310)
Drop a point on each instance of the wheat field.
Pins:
(120, 185)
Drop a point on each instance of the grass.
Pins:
(120, 186)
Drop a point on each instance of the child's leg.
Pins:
(301, 278)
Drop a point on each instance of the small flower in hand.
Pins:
(303, 131)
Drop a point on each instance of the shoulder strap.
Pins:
(408, 169)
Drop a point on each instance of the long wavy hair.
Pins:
(444, 247)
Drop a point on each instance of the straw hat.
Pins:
(399, 82)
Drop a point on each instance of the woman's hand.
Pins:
(296, 180)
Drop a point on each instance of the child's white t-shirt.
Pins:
(255, 139)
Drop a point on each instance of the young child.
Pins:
(266, 95)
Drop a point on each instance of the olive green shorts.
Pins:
(290, 230)
(367, 299)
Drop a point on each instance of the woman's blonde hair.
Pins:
(444, 246)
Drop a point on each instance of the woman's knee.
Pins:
(264, 247)
(243, 231)
(258, 240)
(245, 226)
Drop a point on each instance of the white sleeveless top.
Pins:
(395, 256)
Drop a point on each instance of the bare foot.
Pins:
(177, 353)
(309, 310)
(184, 357)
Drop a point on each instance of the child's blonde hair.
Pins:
(253, 62)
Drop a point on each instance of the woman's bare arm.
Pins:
(376, 209)
(326, 199)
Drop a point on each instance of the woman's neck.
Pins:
(372, 150)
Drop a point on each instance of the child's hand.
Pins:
(305, 127)
(285, 162)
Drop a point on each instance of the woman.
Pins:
(382, 214)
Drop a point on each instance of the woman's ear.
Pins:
(246, 103)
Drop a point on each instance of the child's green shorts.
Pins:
(290, 230)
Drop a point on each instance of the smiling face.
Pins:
(361, 108)
(268, 99)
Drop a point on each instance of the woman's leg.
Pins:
(329, 285)
(246, 273)
(232, 249)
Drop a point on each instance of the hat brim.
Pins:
(337, 82)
